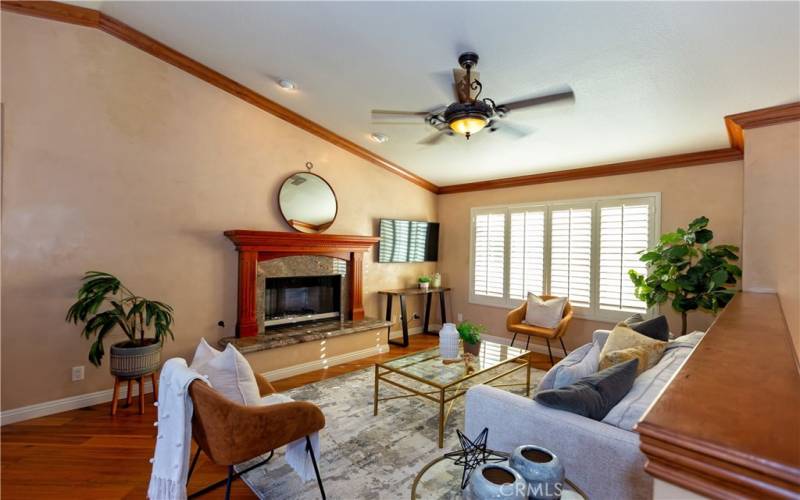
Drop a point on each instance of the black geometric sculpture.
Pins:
(472, 454)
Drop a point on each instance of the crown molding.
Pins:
(83, 16)
(759, 118)
(627, 167)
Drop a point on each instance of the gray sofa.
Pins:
(602, 458)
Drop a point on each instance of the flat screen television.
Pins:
(408, 241)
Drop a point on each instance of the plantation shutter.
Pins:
(625, 230)
(489, 254)
(526, 253)
(571, 254)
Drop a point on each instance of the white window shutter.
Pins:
(571, 254)
(489, 255)
(625, 230)
(526, 253)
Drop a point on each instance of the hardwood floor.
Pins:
(88, 454)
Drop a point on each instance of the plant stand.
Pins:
(129, 394)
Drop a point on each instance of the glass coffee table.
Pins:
(440, 479)
(443, 383)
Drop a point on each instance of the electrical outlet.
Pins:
(77, 373)
(460, 317)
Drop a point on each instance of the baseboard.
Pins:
(321, 364)
(558, 352)
(64, 404)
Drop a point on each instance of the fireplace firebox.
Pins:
(300, 299)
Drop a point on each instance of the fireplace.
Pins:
(299, 299)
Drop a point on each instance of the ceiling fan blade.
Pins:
(389, 112)
(511, 129)
(568, 95)
(435, 137)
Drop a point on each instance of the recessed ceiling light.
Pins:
(379, 138)
(287, 85)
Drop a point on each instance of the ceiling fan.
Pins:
(470, 114)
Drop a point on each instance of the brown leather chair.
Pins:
(514, 324)
(229, 433)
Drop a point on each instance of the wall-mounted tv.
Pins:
(408, 241)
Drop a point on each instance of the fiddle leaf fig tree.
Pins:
(685, 269)
(132, 314)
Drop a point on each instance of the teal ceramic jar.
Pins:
(541, 469)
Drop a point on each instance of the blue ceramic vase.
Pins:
(496, 480)
(541, 469)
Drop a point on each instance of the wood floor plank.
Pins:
(88, 454)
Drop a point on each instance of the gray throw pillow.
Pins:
(573, 358)
(593, 396)
(571, 373)
(656, 328)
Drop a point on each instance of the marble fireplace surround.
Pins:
(276, 254)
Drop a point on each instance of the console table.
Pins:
(403, 293)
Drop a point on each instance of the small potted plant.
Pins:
(134, 315)
(470, 333)
(424, 282)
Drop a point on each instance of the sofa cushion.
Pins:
(580, 363)
(593, 396)
(228, 372)
(623, 337)
(544, 313)
(649, 384)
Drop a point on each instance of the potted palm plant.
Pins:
(470, 333)
(105, 304)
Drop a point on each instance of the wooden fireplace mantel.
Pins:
(256, 246)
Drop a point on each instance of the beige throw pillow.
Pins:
(544, 313)
(624, 344)
(228, 372)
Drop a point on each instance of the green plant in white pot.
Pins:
(424, 282)
(105, 304)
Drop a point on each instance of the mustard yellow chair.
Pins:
(516, 316)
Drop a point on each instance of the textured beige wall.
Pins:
(772, 216)
(711, 190)
(117, 161)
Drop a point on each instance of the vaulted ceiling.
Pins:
(650, 78)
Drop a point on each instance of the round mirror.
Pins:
(307, 202)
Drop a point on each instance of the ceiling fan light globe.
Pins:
(468, 125)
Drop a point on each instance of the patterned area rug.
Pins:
(368, 457)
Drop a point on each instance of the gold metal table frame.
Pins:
(445, 393)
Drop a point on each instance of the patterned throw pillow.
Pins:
(648, 356)
(624, 344)
(544, 313)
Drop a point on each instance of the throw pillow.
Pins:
(593, 396)
(229, 373)
(648, 356)
(203, 354)
(622, 337)
(655, 328)
(569, 374)
(573, 358)
(544, 313)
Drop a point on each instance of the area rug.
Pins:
(366, 456)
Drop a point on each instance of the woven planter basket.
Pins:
(131, 362)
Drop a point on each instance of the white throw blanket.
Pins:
(174, 425)
(296, 455)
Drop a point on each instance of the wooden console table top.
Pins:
(729, 423)
(413, 291)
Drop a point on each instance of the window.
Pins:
(488, 278)
(582, 249)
